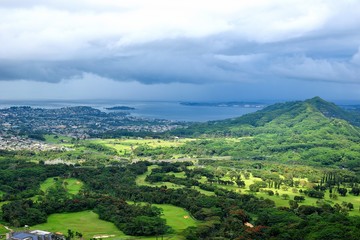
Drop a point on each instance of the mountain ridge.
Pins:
(288, 114)
(312, 131)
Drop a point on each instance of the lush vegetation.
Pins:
(86, 222)
(106, 190)
(290, 171)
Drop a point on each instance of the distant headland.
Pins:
(225, 104)
(119, 108)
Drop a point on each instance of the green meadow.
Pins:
(126, 146)
(57, 139)
(177, 218)
(86, 222)
(89, 224)
(72, 185)
(140, 180)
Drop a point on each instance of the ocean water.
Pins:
(147, 109)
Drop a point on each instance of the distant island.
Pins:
(120, 108)
(225, 104)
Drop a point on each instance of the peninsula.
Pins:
(120, 108)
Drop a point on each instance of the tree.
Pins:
(285, 196)
(270, 192)
(23, 212)
(293, 204)
(355, 191)
(333, 196)
(315, 194)
(342, 191)
(146, 226)
(78, 235)
(233, 175)
(240, 183)
(240, 214)
(299, 198)
(255, 187)
(70, 234)
(350, 206)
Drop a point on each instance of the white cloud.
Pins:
(241, 59)
(69, 29)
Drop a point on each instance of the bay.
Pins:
(146, 109)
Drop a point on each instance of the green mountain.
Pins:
(313, 113)
(313, 130)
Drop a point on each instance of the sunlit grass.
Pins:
(140, 180)
(177, 218)
(126, 146)
(86, 222)
(72, 185)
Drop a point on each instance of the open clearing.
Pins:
(177, 218)
(86, 222)
(58, 139)
(140, 180)
(72, 185)
(89, 224)
(125, 146)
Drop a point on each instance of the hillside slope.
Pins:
(313, 130)
(313, 114)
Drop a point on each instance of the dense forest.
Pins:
(107, 190)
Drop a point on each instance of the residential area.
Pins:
(76, 122)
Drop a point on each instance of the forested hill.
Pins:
(297, 117)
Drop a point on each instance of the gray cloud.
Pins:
(311, 69)
(250, 45)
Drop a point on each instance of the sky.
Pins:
(228, 50)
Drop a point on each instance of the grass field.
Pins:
(86, 222)
(72, 185)
(177, 218)
(57, 139)
(89, 224)
(126, 146)
(140, 180)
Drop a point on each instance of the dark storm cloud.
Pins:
(189, 64)
(158, 62)
(36, 70)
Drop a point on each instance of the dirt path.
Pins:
(7, 228)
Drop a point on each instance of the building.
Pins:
(34, 235)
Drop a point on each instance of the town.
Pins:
(76, 122)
